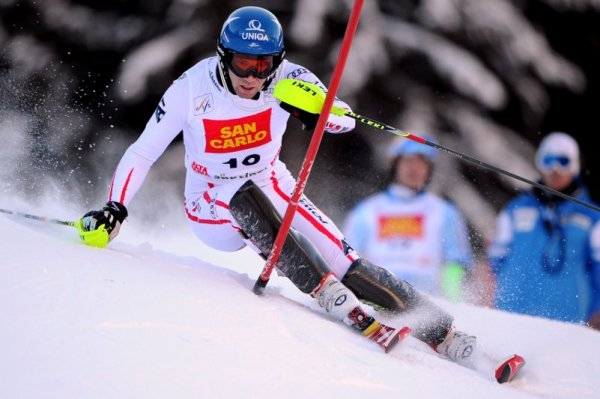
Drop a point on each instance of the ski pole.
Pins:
(94, 238)
(309, 97)
(41, 218)
(311, 153)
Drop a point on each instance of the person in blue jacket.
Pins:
(546, 250)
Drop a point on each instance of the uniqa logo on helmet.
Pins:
(254, 31)
(255, 36)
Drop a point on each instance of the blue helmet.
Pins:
(252, 32)
(404, 146)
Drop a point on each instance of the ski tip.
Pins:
(508, 368)
(404, 332)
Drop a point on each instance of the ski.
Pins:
(383, 335)
(508, 368)
(502, 371)
(488, 365)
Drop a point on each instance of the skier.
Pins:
(236, 187)
(419, 236)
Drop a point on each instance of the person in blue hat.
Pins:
(416, 234)
(546, 250)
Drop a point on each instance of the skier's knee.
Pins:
(299, 259)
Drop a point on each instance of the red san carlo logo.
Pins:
(231, 135)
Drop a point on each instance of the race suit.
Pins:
(229, 140)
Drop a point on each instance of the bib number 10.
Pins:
(250, 160)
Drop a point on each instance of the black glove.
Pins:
(309, 120)
(111, 216)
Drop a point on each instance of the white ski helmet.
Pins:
(558, 151)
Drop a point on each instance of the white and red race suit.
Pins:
(229, 140)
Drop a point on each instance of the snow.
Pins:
(158, 315)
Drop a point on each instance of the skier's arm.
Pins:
(335, 123)
(162, 127)
(98, 228)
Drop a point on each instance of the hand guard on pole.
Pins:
(308, 119)
(98, 228)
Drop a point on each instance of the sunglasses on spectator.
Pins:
(555, 161)
(244, 65)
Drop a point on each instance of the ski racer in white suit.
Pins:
(236, 187)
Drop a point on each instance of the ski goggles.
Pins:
(244, 65)
(555, 161)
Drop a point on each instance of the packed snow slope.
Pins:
(158, 315)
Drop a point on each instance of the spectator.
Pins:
(546, 250)
(417, 235)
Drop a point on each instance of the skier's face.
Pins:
(413, 171)
(245, 87)
(557, 170)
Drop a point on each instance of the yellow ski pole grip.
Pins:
(95, 238)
